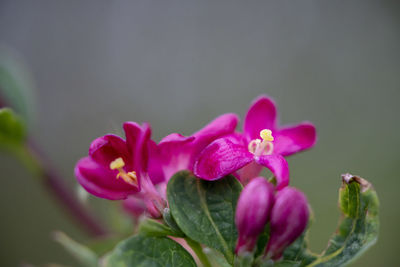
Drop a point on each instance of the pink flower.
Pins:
(289, 217)
(252, 212)
(262, 143)
(117, 168)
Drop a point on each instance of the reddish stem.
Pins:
(67, 199)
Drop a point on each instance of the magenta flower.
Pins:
(252, 212)
(116, 168)
(289, 217)
(262, 143)
(176, 152)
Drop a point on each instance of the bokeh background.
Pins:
(179, 64)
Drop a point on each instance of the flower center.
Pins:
(263, 146)
(128, 177)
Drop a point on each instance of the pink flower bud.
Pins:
(289, 217)
(252, 212)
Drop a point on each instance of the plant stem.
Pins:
(199, 252)
(36, 164)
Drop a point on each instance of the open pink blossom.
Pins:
(262, 143)
(117, 168)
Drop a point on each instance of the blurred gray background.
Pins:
(179, 64)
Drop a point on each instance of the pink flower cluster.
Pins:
(137, 169)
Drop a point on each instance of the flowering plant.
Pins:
(202, 202)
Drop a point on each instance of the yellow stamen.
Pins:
(129, 177)
(266, 135)
(117, 164)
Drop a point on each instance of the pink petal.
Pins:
(175, 137)
(278, 166)
(101, 181)
(173, 154)
(261, 115)
(107, 148)
(220, 158)
(291, 140)
(177, 152)
(220, 126)
(154, 169)
(248, 172)
(132, 132)
(141, 150)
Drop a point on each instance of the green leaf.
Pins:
(358, 229)
(16, 83)
(151, 227)
(144, 251)
(12, 129)
(80, 252)
(170, 221)
(205, 210)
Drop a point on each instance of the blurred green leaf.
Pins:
(151, 227)
(16, 86)
(12, 128)
(144, 251)
(205, 210)
(80, 252)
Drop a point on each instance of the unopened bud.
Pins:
(289, 218)
(252, 212)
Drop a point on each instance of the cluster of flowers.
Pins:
(137, 170)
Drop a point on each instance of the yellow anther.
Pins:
(266, 135)
(116, 164)
(128, 177)
(131, 175)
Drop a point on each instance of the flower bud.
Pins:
(289, 217)
(252, 212)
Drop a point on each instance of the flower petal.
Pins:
(278, 166)
(175, 137)
(291, 140)
(220, 158)
(101, 181)
(132, 132)
(220, 126)
(107, 148)
(141, 149)
(248, 172)
(154, 169)
(173, 154)
(261, 115)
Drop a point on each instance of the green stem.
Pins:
(199, 252)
